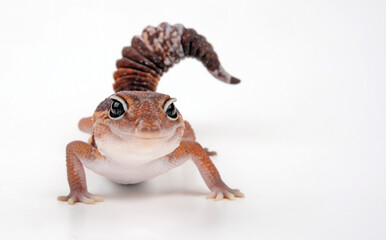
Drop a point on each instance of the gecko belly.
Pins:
(130, 174)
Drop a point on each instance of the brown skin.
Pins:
(157, 50)
(144, 118)
(75, 172)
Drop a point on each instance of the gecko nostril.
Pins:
(147, 127)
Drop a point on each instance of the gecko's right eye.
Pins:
(118, 108)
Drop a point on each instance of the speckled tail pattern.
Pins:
(157, 50)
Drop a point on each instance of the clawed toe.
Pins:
(96, 198)
(63, 198)
(71, 200)
(211, 195)
(229, 195)
(238, 194)
(210, 153)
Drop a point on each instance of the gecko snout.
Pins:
(148, 128)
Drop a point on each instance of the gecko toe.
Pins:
(86, 200)
(210, 153)
(229, 195)
(220, 196)
(96, 198)
(238, 194)
(63, 198)
(211, 195)
(71, 200)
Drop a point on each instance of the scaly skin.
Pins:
(207, 170)
(138, 134)
(75, 172)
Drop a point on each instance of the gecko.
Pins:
(138, 133)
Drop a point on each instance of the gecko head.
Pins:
(137, 124)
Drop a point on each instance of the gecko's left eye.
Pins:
(118, 108)
(170, 109)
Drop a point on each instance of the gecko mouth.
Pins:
(123, 143)
(125, 135)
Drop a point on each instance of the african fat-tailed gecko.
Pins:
(137, 133)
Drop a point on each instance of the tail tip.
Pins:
(235, 80)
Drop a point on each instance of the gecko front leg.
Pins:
(219, 190)
(75, 172)
(190, 136)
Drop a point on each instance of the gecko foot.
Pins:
(221, 193)
(210, 153)
(84, 197)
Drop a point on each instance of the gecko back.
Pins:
(158, 49)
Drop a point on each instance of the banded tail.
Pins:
(157, 50)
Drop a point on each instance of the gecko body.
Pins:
(137, 133)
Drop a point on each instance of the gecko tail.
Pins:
(158, 49)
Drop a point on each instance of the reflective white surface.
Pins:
(303, 135)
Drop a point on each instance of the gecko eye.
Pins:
(118, 108)
(170, 109)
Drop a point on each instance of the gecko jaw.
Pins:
(127, 135)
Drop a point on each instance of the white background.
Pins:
(303, 135)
